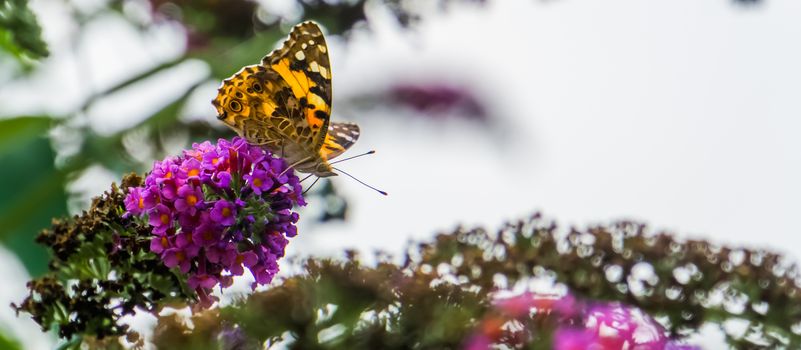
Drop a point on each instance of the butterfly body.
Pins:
(284, 104)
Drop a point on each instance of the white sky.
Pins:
(680, 113)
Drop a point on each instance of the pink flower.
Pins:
(617, 325)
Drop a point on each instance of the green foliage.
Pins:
(435, 299)
(31, 188)
(337, 305)
(102, 269)
(7, 343)
(20, 34)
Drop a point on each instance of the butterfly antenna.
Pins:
(310, 186)
(356, 156)
(360, 181)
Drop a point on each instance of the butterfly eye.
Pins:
(257, 87)
(235, 106)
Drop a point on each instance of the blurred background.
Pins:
(680, 113)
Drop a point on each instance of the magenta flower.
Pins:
(151, 197)
(169, 189)
(159, 244)
(160, 218)
(259, 181)
(163, 171)
(478, 342)
(189, 199)
(206, 235)
(263, 273)
(579, 325)
(247, 259)
(134, 202)
(576, 339)
(190, 169)
(202, 280)
(276, 243)
(214, 160)
(220, 252)
(222, 179)
(211, 230)
(224, 213)
(177, 257)
(616, 325)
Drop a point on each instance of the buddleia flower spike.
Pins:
(219, 210)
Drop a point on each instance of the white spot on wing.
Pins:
(300, 55)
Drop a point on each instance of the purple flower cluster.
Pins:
(581, 325)
(218, 210)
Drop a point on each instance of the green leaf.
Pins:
(9, 343)
(20, 33)
(31, 188)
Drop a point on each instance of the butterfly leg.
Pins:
(312, 185)
(307, 177)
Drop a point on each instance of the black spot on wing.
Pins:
(319, 92)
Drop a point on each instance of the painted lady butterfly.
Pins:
(284, 104)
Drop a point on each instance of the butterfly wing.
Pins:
(339, 138)
(303, 63)
(284, 103)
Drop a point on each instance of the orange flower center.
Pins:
(194, 172)
(141, 203)
(208, 236)
(165, 219)
(164, 242)
(191, 199)
(180, 256)
(257, 182)
(226, 212)
(214, 161)
(168, 175)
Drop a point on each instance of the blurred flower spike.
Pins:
(579, 325)
(218, 210)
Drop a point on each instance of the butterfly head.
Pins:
(324, 170)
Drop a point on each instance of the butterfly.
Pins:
(284, 104)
